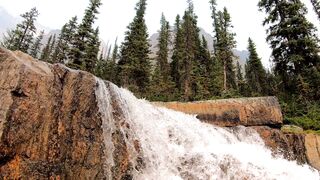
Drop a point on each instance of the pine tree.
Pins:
(203, 73)
(240, 81)
(115, 51)
(62, 51)
(101, 64)
(46, 51)
(216, 83)
(134, 66)
(224, 44)
(255, 73)
(163, 45)
(91, 51)
(162, 87)
(178, 54)
(51, 48)
(316, 7)
(83, 38)
(215, 25)
(36, 47)
(113, 63)
(109, 52)
(190, 62)
(294, 42)
(22, 37)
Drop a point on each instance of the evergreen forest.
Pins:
(189, 71)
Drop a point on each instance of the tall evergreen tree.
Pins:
(255, 73)
(52, 47)
(190, 61)
(84, 36)
(294, 43)
(112, 64)
(316, 7)
(134, 66)
(21, 38)
(203, 69)
(109, 52)
(215, 25)
(178, 54)
(62, 51)
(224, 44)
(46, 51)
(162, 87)
(91, 51)
(36, 46)
(115, 54)
(240, 81)
(216, 85)
(163, 45)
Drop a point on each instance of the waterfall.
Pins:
(175, 145)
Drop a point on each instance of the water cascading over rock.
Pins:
(60, 123)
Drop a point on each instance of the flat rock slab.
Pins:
(260, 111)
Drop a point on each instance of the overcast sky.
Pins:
(115, 15)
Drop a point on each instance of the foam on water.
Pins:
(178, 146)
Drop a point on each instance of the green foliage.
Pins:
(90, 56)
(86, 40)
(224, 43)
(162, 88)
(241, 84)
(134, 66)
(255, 73)
(305, 115)
(295, 45)
(62, 51)
(178, 54)
(36, 46)
(46, 51)
(316, 7)
(21, 38)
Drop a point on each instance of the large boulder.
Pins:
(232, 112)
(50, 124)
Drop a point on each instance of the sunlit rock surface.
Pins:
(232, 112)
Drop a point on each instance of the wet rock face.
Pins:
(290, 146)
(312, 144)
(50, 125)
(233, 112)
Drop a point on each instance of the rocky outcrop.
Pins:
(289, 145)
(233, 112)
(50, 124)
(312, 144)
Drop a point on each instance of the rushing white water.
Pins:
(178, 146)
